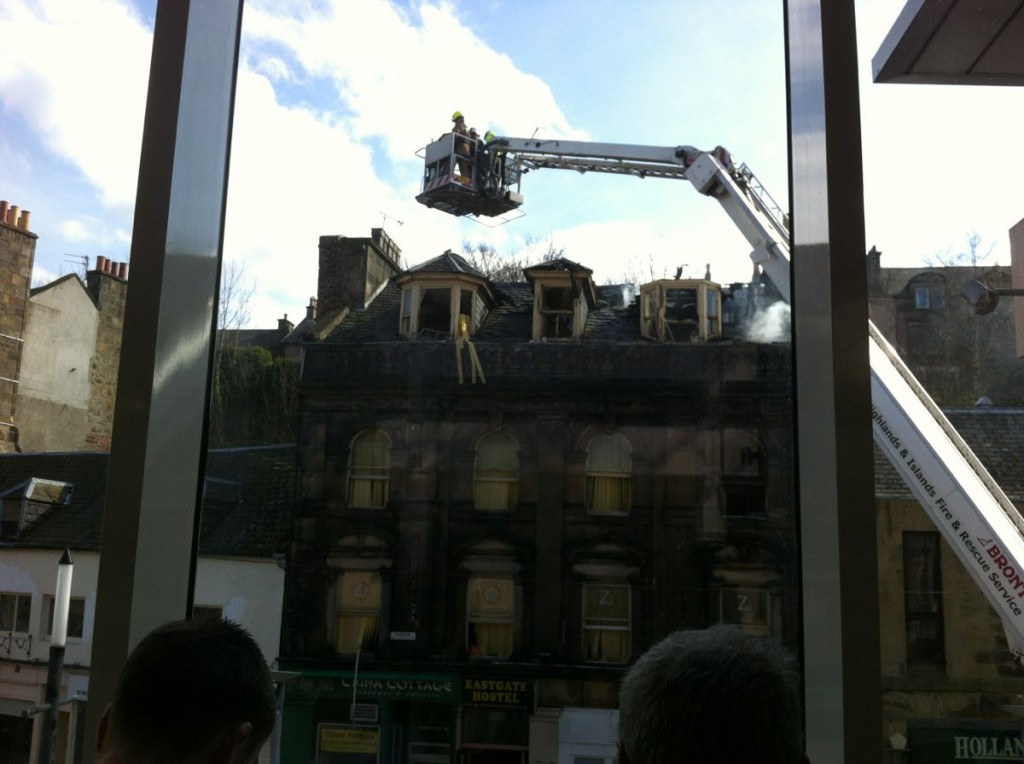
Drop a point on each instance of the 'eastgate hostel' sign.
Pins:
(495, 691)
(962, 500)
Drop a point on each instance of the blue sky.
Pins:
(334, 102)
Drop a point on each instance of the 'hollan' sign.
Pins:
(930, 745)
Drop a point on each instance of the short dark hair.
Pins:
(188, 680)
(716, 694)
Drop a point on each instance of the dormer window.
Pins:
(433, 312)
(21, 505)
(556, 313)
(563, 295)
(681, 310)
(437, 293)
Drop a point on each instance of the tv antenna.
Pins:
(80, 261)
(386, 216)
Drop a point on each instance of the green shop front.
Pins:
(331, 717)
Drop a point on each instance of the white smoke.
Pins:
(770, 324)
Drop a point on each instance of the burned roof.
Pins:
(447, 262)
(249, 494)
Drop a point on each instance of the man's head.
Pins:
(711, 695)
(191, 691)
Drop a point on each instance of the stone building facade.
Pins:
(508, 494)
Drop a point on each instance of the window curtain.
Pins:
(368, 470)
(607, 646)
(609, 469)
(496, 483)
(358, 614)
(491, 614)
(493, 639)
(606, 622)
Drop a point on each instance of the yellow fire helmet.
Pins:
(456, 116)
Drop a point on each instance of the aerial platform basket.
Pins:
(460, 178)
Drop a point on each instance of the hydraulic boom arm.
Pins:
(974, 515)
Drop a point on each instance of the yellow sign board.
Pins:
(336, 739)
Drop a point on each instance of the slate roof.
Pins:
(615, 318)
(996, 435)
(246, 512)
(448, 262)
(894, 281)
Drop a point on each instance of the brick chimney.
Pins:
(352, 269)
(17, 256)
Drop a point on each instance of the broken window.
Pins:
(556, 309)
(435, 319)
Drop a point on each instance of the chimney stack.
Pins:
(13, 216)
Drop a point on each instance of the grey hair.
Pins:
(717, 694)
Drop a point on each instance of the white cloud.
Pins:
(77, 73)
(939, 161)
(77, 230)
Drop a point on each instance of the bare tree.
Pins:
(499, 268)
(507, 268)
(972, 256)
(642, 272)
(234, 306)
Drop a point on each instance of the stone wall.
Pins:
(109, 292)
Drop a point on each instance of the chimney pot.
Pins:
(23, 220)
(4, 206)
(12, 215)
(122, 271)
(101, 263)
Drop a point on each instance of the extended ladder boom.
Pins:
(976, 518)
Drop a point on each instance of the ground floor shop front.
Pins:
(336, 717)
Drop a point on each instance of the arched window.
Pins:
(609, 475)
(369, 470)
(496, 474)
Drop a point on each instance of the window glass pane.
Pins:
(496, 478)
(948, 628)
(369, 476)
(76, 616)
(14, 612)
(346, 446)
(609, 474)
(359, 598)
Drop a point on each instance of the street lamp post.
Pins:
(983, 299)
(58, 638)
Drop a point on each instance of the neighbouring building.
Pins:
(959, 357)
(60, 352)
(17, 254)
(509, 491)
(951, 689)
(49, 502)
